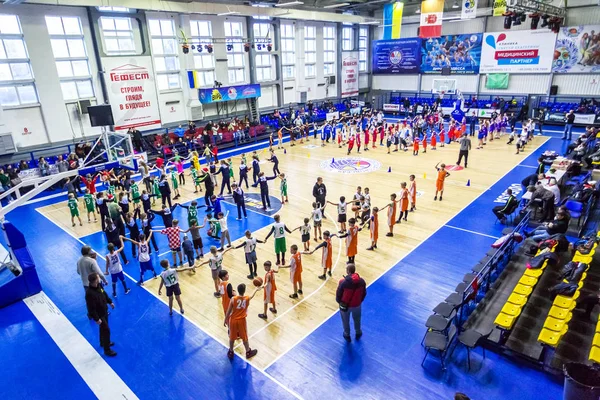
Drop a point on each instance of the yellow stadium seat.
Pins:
(535, 273)
(522, 289)
(565, 302)
(595, 354)
(557, 325)
(511, 309)
(528, 280)
(598, 326)
(517, 299)
(596, 341)
(560, 313)
(551, 338)
(505, 321)
(582, 258)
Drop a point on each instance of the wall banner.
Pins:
(469, 9)
(400, 56)
(132, 92)
(462, 53)
(432, 12)
(228, 93)
(350, 74)
(577, 49)
(518, 51)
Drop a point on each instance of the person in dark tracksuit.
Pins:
(145, 197)
(238, 198)
(319, 192)
(501, 211)
(209, 188)
(165, 190)
(225, 180)
(244, 174)
(167, 215)
(264, 189)
(255, 169)
(275, 162)
(146, 220)
(97, 302)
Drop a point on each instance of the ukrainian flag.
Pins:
(193, 79)
(392, 20)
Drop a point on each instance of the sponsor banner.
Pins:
(132, 92)
(584, 119)
(485, 112)
(355, 111)
(332, 115)
(350, 75)
(391, 107)
(516, 188)
(462, 53)
(518, 51)
(432, 12)
(228, 93)
(499, 8)
(401, 56)
(576, 50)
(597, 120)
(469, 9)
(392, 20)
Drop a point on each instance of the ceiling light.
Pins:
(289, 4)
(455, 5)
(336, 5)
(228, 13)
(369, 23)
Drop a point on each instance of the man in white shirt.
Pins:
(553, 187)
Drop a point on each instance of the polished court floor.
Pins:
(301, 352)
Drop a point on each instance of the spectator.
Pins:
(546, 197)
(192, 126)
(570, 119)
(559, 225)
(23, 166)
(87, 265)
(44, 167)
(350, 294)
(5, 182)
(97, 302)
(62, 165)
(553, 187)
(180, 132)
(502, 211)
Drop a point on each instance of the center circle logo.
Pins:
(351, 165)
(395, 57)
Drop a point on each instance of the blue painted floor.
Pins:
(32, 364)
(170, 358)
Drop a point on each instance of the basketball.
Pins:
(355, 208)
(257, 282)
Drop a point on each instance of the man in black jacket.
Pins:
(97, 302)
(502, 211)
(351, 292)
(320, 192)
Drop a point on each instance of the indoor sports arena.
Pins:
(281, 199)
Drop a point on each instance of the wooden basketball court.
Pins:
(302, 164)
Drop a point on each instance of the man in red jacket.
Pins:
(350, 294)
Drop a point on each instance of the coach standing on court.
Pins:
(320, 192)
(465, 146)
(97, 302)
(350, 294)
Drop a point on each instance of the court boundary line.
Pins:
(409, 252)
(470, 231)
(249, 362)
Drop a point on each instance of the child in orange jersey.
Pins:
(416, 146)
(425, 143)
(295, 271)
(326, 258)
(404, 197)
(235, 319)
(412, 191)
(373, 222)
(351, 236)
(225, 289)
(270, 289)
(433, 141)
(441, 177)
(280, 138)
(392, 207)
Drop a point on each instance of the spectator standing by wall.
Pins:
(570, 120)
(351, 292)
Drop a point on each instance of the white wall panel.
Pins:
(409, 31)
(396, 82)
(268, 97)
(521, 84)
(577, 84)
(363, 81)
(474, 25)
(583, 16)
(31, 118)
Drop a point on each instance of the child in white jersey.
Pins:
(215, 262)
(113, 266)
(317, 217)
(305, 234)
(249, 245)
(170, 280)
(143, 247)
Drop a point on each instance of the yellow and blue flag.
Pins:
(392, 20)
